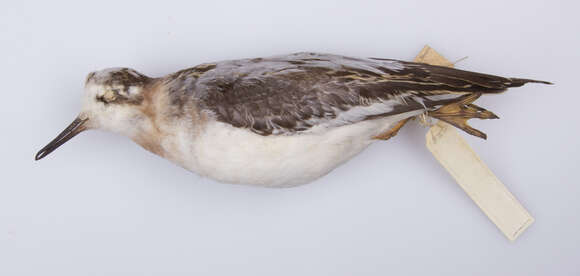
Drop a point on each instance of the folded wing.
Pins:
(290, 94)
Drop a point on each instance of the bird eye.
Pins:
(110, 95)
(107, 97)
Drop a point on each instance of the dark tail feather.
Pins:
(516, 82)
(467, 81)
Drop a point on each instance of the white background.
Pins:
(101, 205)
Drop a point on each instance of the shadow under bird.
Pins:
(278, 121)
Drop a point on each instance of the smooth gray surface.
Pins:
(101, 205)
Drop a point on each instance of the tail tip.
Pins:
(544, 82)
(520, 82)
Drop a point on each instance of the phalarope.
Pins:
(278, 121)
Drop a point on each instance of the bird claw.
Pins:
(458, 113)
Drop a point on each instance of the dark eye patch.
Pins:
(101, 98)
(120, 99)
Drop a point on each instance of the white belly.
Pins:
(238, 156)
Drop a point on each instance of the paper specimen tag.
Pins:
(476, 179)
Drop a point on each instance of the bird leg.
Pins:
(393, 131)
(459, 112)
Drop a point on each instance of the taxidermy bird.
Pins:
(278, 121)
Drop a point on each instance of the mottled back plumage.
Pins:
(295, 93)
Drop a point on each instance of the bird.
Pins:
(278, 121)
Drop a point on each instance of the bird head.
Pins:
(113, 100)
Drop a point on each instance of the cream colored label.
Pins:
(476, 179)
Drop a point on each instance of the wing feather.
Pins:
(293, 93)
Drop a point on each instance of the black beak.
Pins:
(71, 131)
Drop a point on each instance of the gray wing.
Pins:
(294, 93)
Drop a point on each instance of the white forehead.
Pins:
(91, 92)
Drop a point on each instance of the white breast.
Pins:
(238, 156)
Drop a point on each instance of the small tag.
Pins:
(476, 179)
